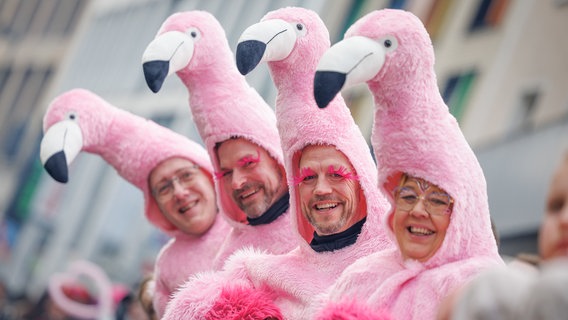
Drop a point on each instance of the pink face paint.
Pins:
(343, 172)
(220, 174)
(304, 173)
(422, 184)
(247, 160)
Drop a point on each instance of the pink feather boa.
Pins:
(244, 303)
(351, 310)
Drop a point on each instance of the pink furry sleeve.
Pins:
(351, 310)
(238, 302)
(161, 297)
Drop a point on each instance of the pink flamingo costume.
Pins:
(291, 280)
(223, 106)
(415, 133)
(79, 120)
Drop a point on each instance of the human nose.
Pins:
(419, 208)
(322, 186)
(238, 179)
(178, 187)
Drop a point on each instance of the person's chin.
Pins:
(255, 210)
(328, 227)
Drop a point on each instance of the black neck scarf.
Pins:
(338, 240)
(275, 211)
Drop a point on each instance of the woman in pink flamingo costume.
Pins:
(193, 45)
(413, 133)
(78, 120)
(292, 280)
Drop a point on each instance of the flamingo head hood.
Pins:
(298, 38)
(222, 103)
(413, 131)
(79, 120)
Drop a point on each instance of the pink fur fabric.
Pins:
(243, 303)
(298, 276)
(351, 310)
(415, 133)
(131, 144)
(134, 146)
(302, 123)
(223, 105)
(184, 256)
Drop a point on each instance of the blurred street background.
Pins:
(502, 68)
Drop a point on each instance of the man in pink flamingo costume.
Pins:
(325, 153)
(237, 126)
(413, 133)
(140, 150)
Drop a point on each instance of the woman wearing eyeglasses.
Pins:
(440, 218)
(421, 217)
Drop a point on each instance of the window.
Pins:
(65, 16)
(353, 14)
(29, 88)
(520, 120)
(4, 76)
(8, 12)
(435, 17)
(489, 14)
(456, 92)
(396, 4)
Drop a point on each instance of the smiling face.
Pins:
(420, 228)
(330, 195)
(185, 195)
(250, 175)
(553, 234)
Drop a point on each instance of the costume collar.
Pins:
(338, 240)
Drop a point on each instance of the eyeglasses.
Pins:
(185, 178)
(435, 202)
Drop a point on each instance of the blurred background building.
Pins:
(502, 68)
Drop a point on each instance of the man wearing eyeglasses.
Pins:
(174, 174)
(335, 205)
(237, 127)
(185, 195)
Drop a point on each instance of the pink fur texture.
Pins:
(184, 256)
(131, 144)
(223, 105)
(302, 123)
(414, 132)
(238, 303)
(297, 277)
(134, 146)
(351, 310)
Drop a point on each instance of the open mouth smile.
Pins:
(325, 206)
(417, 231)
(188, 207)
(246, 194)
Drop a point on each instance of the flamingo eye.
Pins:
(194, 33)
(389, 43)
(300, 29)
(72, 116)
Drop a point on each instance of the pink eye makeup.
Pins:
(220, 174)
(247, 160)
(304, 173)
(342, 172)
